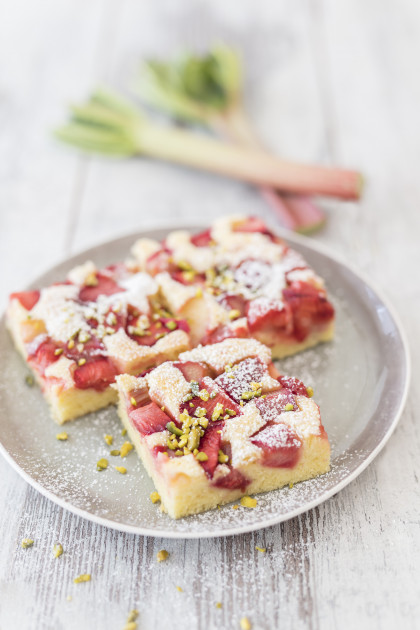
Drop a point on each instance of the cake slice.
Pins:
(220, 423)
(237, 279)
(78, 335)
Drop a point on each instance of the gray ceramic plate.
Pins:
(360, 381)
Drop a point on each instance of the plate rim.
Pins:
(235, 530)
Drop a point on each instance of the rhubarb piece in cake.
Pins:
(78, 335)
(221, 423)
(237, 279)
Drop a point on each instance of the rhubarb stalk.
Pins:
(207, 90)
(109, 124)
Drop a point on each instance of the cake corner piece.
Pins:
(221, 423)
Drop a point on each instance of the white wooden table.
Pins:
(326, 81)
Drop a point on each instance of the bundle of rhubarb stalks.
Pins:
(205, 90)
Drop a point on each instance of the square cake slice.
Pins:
(221, 423)
(237, 279)
(78, 335)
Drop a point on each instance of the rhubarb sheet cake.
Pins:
(237, 279)
(78, 335)
(221, 422)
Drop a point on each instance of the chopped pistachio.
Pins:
(187, 451)
(195, 388)
(235, 507)
(219, 604)
(230, 412)
(291, 485)
(27, 542)
(121, 469)
(81, 361)
(172, 444)
(172, 428)
(217, 412)
(131, 625)
(102, 464)
(111, 319)
(58, 351)
(199, 292)
(62, 436)
(222, 457)
(57, 550)
(155, 497)
(234, 313)
(179, 453)
(162, 555)
(108, 439)
(193, 439)
(310, 391)
(245, 623)
(178, 588)
(204, 422)
(132, 615)
(184, 265)
(160, 336)
(210, 275)
(84, 337)
(261, 549)
(136, 331)
(183, 441)
(115, 452)
(188, 276)
(187, 398)
(70, 344)
(201, 456)
(124, 432)
(29, 380)
(185, 418)
(248, 502)
(247, 395)
(204, 395)
(289, 407)
(84, 577)
(200, 412)
(133, 401)
(91, 280)
(126, 448)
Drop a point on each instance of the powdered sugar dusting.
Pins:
(167, 387)
(220, 354)
(238, 380)
(62, 315)
(264, 305)
(277, 436)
